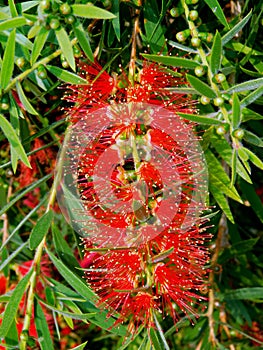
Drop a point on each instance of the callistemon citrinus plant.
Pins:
(133, 185)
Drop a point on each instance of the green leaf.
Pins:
(253, 158)
(12, 8)
(252, 138)
(39, 43)
(225, 151)
(254, 294)
(254, 200)
(40, 230)
(12, 23)
(12, 137)
(83, 39)
(219, 178)
(74, 281)
(216, 53)
(13, 304)
(91, 11)
(172, 61)
(236, 29)
(237, 249)
(248, 114)
(236, 112)
(116, 21)
(11, 338)
(66, 76)
(66, 47)
(155, 340)
(161, 334)
(233, 167)
(217, 10)
(182, 47)
(154, 35)
(75, 316)
(253, 96)
(201, 87)
(6, 262)
(221, 201)
(43, 332)
(24, 100)
(8, 60)
(21, 194)
(80, 347)
(202, 119)
(247, 85)
(64, 251)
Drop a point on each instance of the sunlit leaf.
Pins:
(252, 138)
(247, 85)
(91, 11)
(39, 43)
(202, 119)
(253, 293)
(216, 53)
(253, 96)
(12, 137)
(12, 23)
(253, 158)
(24, 100)
(40, 230)
(236, 111)
(8, 60)
(66, 76)
(66, 47)
(83, 39)
(172, 61)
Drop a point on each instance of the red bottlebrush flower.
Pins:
(134, 178)
(170, 269)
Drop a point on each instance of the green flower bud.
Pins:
(238, 134)
(20, 62)
(220, 130)
(218, 101)
(45, 5)
(65, 9)
(219, 78)
(200, 71)
(70, 19)
(193, 15)
(54, 23)
(204, 100)
(196, 42)
(182, 36)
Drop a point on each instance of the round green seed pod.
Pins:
(54, 23)
(20, 62)
(220, 130)
(193, 15)
(182, 36)
(45, 5)
(219, 78)
(70, 19)
(65, 9)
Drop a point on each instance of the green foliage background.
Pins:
(40, 46)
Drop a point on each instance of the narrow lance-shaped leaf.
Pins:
(80, 347)
(74, 281)
(172, 61)
(253, 158)
(201, 87)
(252, 97)
(221, 201)
(43, 332)
(116, 21)
(66, 76)
(12, 137)
(236, 112)
(40, 230)
(12, 8)
(12, 23)
(216, 53)
(24, 100)
(83, 39)
(233, 167)
(91, 11)
(236, 29)
(253, 293)
(247, 85)
(217, 10)
(8, 60)
(252, 138)
(66, 47)
(13, 304)
(202, 119)
(39, 43)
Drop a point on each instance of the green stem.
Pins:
(43, 61)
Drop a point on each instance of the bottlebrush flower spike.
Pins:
(134, 178)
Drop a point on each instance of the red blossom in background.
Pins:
(140, 183)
